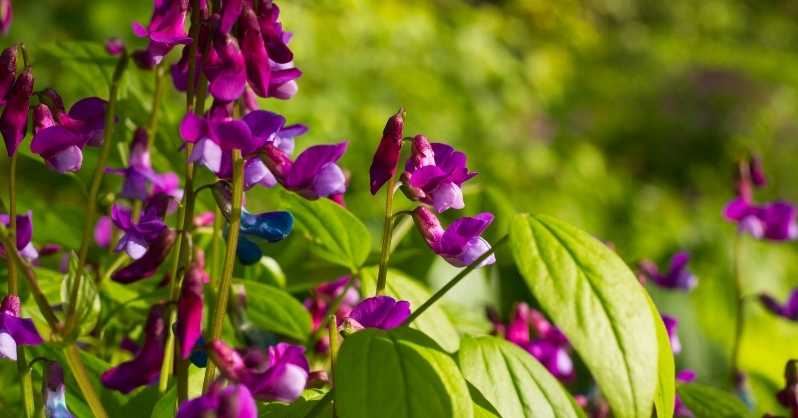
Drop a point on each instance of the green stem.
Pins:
(739, 323)
(456, 279)
(152, 121)
(333, 332)
(223, 293)
(399, 232)
(99, 172)
(72, 356)
(387, 230)
(120, 260)
(13, 285)
(26, 382)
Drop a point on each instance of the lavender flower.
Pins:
(14, 119)
(671, 323)
(14, 330)
(24, 235)
(103, 231)
(788, 310)
(678, 276)
(386, 158)
(189, 306)
(232, 401)
(460, 244)
(383, 312)
(145, 367)
(54, 392)
(434, 175)
(313, 174)
(139, 236)
(165, 30)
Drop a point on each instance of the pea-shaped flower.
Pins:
(145, 367)
(14, 330)
(678, 276)
(233, 401)
(54, 392)
(383, 312)
(24, 235)
(167, 29)
(315, 172)
(460, 243)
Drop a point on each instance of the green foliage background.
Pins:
(620, 116)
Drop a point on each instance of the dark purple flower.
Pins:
(189, 306)
(788, 397)
(386, 158)
(383, 312)
(14, 120)
(282, 84)
(24, 235)
(460, 244)
(234, 401)
(774, 221)
(434, 174)
(255, 55)
(678, 276)
(225, 68)
(167, 28)
(671, 323)
(54, 392)
(757, 173)
(313, 174)
(14, 330)
(145, 367)
(148, 264)
(8, 71)
(139, 236)
(6, 14)
(274, 37)
(114, 46)
(679, 408)
(788, 310)
(279, 374)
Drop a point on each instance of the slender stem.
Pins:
(456, 279)
(75, 364)
(152, 121)
(13, 285)
(333, 332)
(216, 246)
(26, 382)
(739, 323)
(99, 172)
(399, 232)
(121, 259)
(331, 310)
(387, 230)
(223, 293)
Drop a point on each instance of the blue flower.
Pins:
(255, 228)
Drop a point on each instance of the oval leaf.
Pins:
(434, 322)
(277, 311)
(399, 373)
(709, 402)
(598, 303)
(336, 235)
(512, 380)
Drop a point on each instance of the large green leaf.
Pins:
(513, 381)
(399, 373)
(434, 322)
(666, 369)
(335, 234)
(709, 402)
(597, 301)
(275, 310)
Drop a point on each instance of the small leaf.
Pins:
(598, 303)
(166, 407)
(512, 380)
(87, 305)
(434, 322)
(335, 233)
(275, 310)
(709, 402)
(399, 373)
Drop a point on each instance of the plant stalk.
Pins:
(75, 364)
(739, 322)
(13, 285)
(387, 231)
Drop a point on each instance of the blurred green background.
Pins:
(620, 116)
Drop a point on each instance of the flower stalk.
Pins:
(387, 231)
(223, 291)
(739, 321)
(72, 356)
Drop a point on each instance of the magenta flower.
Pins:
(383, 312)
(225, 67)
(274, 37)
(313, 174)
(145, 367)
(6, 14)
(460, 244)
(774, 221)
(14, 119)
(14, 330)
(678, 276)
(114, 46)
(671, 323)
(167, 29)
(54, 392)
(278, 374)
(24, 235)
(234, 401)
(103, 231)
(319, 305)
(189, 306)
(788, 310)
(139, 175)
(8, 71)
(680, 409)
(255, 56)
(434, 174)
(386, 158)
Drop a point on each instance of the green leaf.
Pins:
(434, 322)
(87, 305)
(709, 402)
(166, 407)
(275, 310)
(512, 380)
(399, 373)
(598, 303)
(335, 233)
(297, 409)
(666, 369)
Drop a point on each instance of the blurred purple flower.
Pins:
(103, 231)
(383, 312)
(774, 221)
(6, 15)
(148, 264)
(145, 367)
(434, 174)
(460, 244)
(313, 174)
(139, 236)
(8, 71)
(114, 46)
(14, 330)
(386, 158)
(671, 324)
(233, 401)
(190, 304)
(788, 310)
(678, 276)
(24, 235)
(139, 175)
(679, 408)
(14, 119)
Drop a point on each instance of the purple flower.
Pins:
(139, 236)
(145, 367)
(14, 119)
(24, 235)
(788, 310)
(8, 71)
(167, 29)
(54, 392)
(279, 374)
(320, 302)
(679, 408)
(774, 221)
(148, 264)
(114, 46)
(226, 68)
(383, 312)
(103, 231)
(313, 174)
(6, 14)
(434, 174)
(255, 55)
(234, 401)
(460, 244)
(139, 175)
(386, 158)
(678, 276)
(274, 37)
(14, 330)
(671, 323)
(189, 306)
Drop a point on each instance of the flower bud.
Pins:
(386, 158)
(14, 120)
(8, 71)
